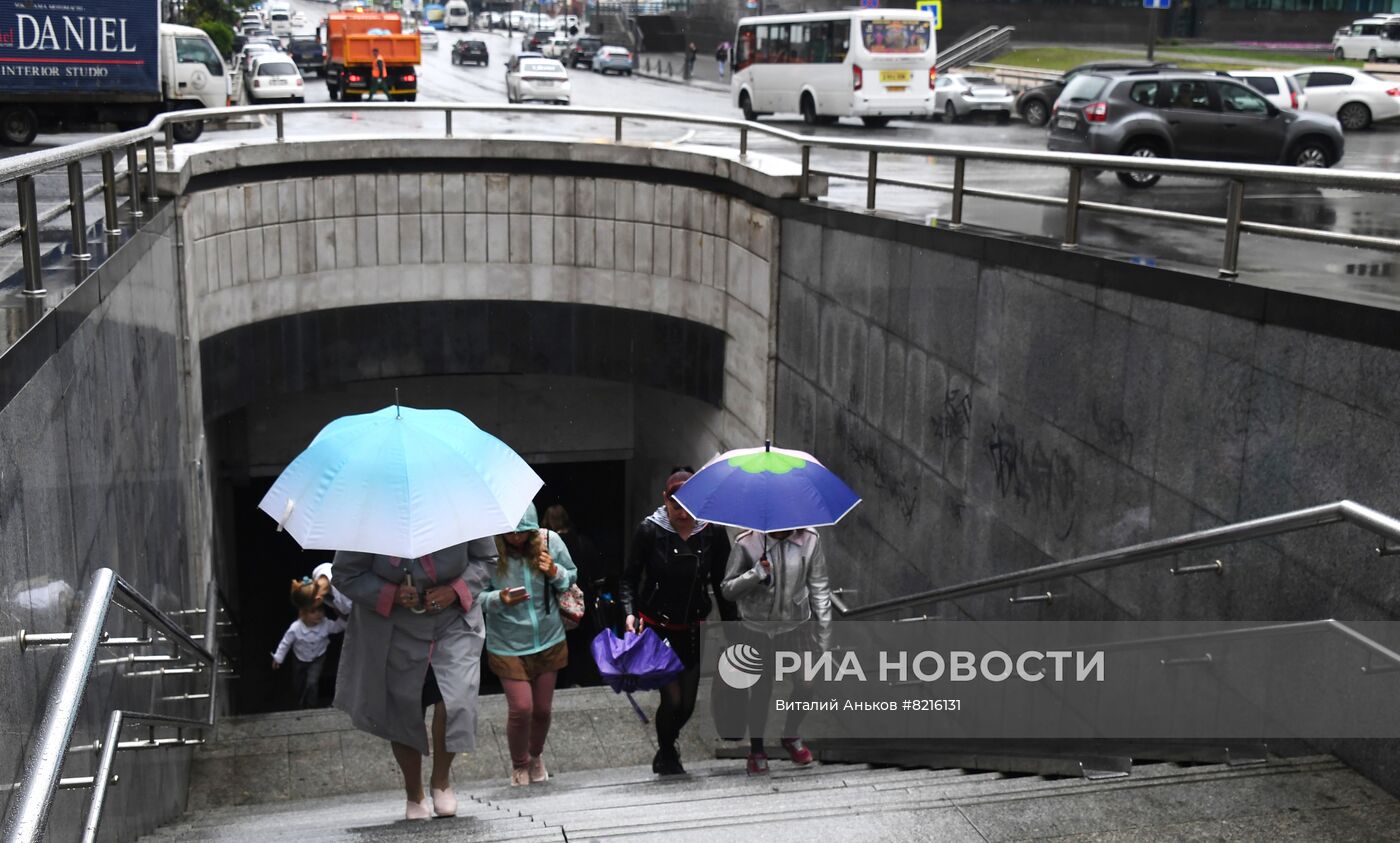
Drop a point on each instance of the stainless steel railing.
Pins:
(140, 175)
(1379, 524)
(43, 768)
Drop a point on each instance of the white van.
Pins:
(280, 22)
(457, 15)
(1372, 39)
(874, 64)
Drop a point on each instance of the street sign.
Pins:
(935, 8)
(1156, 4)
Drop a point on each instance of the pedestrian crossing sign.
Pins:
(935, 8)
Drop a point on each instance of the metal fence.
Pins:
(139, 149)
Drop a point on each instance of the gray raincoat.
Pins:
(388, 648)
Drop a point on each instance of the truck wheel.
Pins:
(334, 91)
(18, 126)
(411, 97)
(188, 132)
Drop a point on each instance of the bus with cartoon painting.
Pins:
(875, 64)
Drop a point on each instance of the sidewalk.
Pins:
(669, 67)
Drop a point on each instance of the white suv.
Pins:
(1277, 87)
(1372, 39)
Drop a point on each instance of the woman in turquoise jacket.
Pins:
(525, 643)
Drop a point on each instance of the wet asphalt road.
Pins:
(1332, 271)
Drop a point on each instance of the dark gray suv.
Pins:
(1184, 114)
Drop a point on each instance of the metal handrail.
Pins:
(23, 168)
(1270, 525)
(29, 808)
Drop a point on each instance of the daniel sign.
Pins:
(108, 45)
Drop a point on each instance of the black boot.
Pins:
(667, 762)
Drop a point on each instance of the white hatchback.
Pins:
(427, 37)
(1277, 87)
(1356, 98)
(537, 78)
(275, 77)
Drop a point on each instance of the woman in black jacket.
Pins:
(674, 564)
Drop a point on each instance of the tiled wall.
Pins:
(264, 250)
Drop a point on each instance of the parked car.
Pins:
(959, 95)
(1357, 98)
(470, 52)
(584, 50)
(427, 37)
(1277, 87)
(613, 60)
(1184, 114)
(243, 62)
(535, 77)
(308, 53)
(556, 47)
(1035, 104)
(275, 77)
(538, 39)
(1374, 39)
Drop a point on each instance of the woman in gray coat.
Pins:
(415, 640)
(779, 582)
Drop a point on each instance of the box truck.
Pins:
(79, 62)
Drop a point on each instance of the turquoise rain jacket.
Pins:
(533, 624)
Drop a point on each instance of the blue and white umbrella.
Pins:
(766, 489)
(401, 482)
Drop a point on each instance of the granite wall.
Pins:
(94, 470)
(1002, 405)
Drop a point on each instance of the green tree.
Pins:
(221, 11)
(221, 34)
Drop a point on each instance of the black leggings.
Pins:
(678, 698)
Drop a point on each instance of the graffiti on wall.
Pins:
(1038, 478)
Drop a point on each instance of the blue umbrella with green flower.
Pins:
(766, 489)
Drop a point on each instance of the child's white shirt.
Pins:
(307, 642)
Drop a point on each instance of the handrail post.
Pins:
(804, 179)
(959, 171)
(1076, 184)
(29, 806)
(743, 143)
(211, 643)
(77, 213)
(109, 195)
(103, 776)
(151, 193)
(871, 174)
(133, 180)
(281, 135)
(617, 129)
(447, 113)
(1234, 214)
(169, 143)
(29, 237)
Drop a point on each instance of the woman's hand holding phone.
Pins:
(511, 596)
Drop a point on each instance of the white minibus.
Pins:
(874, 64)
(1372, 39)
(457, 15)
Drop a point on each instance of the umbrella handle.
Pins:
(417, 610)
(641, 715)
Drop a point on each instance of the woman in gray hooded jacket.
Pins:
(779, 582)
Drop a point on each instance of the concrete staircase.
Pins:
(1306, 799)
(309, 776)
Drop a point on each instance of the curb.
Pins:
(702, 85)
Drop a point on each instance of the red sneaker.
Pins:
(758, 764)
(798, 752)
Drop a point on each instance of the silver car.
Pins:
(959, 95)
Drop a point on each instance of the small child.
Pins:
(340, 605)
(308, 638)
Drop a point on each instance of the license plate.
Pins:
(894, 77)
(279, 81)
(1067, 121)
(894, 89)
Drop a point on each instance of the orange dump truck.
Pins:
(353, 37)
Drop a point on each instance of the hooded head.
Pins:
(529, 521)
